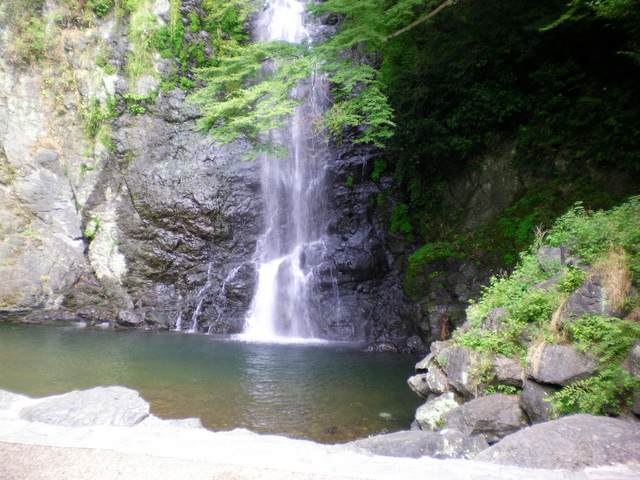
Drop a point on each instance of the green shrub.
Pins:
(101, 7)
(379, 167)
(400, 223)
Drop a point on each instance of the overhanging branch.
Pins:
(420, 20)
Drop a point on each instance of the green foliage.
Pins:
(379, 167)
(142, 27)
(350, 182)
(590, 234)
(243, 99)
(500, 388)
(95, 114)
(608, 338)
(400, 222)
(31, 40)
(136, 103)
(607, 392)
(101, 7)
(573, 279)
(92, 229)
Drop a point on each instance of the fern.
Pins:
(608, 338)
(605, 393)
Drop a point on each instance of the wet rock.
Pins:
(494, 416)
(429, 416)
(562, 365)
(117, 406)
(572, 443)
(448, 443)
(535, 401)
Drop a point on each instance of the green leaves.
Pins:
(244, 97)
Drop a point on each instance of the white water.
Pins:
(293, 194)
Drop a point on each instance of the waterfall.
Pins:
(294, 200)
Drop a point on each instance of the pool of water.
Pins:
(328, 392)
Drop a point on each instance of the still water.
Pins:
(326, 392)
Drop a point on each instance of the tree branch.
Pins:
(420, 20)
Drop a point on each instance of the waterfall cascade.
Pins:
(294, 200)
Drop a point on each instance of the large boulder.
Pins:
(494, 416)
(562, 365)
(117, 406)
(429, 415)
(508, 371)
(569, 443)
(589, 299)
(458, 365)
(535, 401)
(632, 362)
(448, 443)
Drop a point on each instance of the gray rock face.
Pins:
(562, 365)
(494, 416)
(117, 406)
(569, 443)
(445, 444)
(418, 383)
(632, 363)
(534, 401)
(429, 416)
(508, 371)
(458, 367)
(550, 257)
(589, 299)
(492, 320)
(636, 405)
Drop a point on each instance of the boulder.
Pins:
(494, 416)
(448, 443)
(572, 442)
(458, 367)
(534, 401)
(589, 299)
(551, 282)
(636, 405)
(550, 258)
(492, 320)
(418, 383)
(437, 381)
(429, 415)
(508, 371)
(632, 362)
(562, 365)
(117, 406)
(431, 359)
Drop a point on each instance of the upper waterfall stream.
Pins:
(294, 199)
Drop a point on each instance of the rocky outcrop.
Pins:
(117, 406)
(494, 417)
(535, 401)
(569, 443)
(562, 365)
(448, 443)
